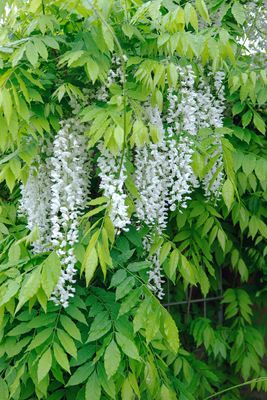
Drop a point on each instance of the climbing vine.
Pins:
(133, 179)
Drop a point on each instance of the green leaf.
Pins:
(130, 301)
(125, 287)
(151, 378)
(187, 270)
(127, 392)
(112, 359)
(92, 69)
(93, 388)
(61, 357)
(119, 136)
(246, 118)
(203, 11)
(139, 266)
(228, 193)
(4, 390)
(8, 291)
(90, 264)
(100, 326)
(259, 123)
(41, 48)
(31, 53)
(222, 239)
(107, 384)
(7, 104)
(170, 331)
(166, 393)
(50, 42)
(261, 169)
(70, 327)
(108, 37)
(67, 342)
(249, 163)
(50, 273)
(30, 287)
(75, 313)
(128, 346)
(81, 374)
(40, 338)
(164, 252)
(34, 5)
(118, 278)
(237, 108)
(238, 12)
(44, 365)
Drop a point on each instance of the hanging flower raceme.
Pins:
(155, 275)
(151, 180)
(112, 174)
(163, 172)
(70, 182)
(35, 201)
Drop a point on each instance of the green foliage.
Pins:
(116, 340)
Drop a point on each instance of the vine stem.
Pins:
(261, 379)
(43, 7)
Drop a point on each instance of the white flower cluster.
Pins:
(55, 194)
(69, 191)
(35, 205)
(183, 109)
(112, 179)
(163, 174)
(182, 179)
(155, 276)
(151, 180)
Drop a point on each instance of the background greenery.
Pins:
(115, 340)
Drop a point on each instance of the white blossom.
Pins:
(155, 275)
(112, 180)
(151, 180)
(35, 201)
(70, 180)
(163, 173)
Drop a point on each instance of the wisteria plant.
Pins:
(133, 177)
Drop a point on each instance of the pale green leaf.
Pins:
(44, 365)
(50, 273)
(30, 286)
(61, 357)
(112, 359)
(127, 346)
(70, 327)
(228, 193)
(31, 53)
(238, 12)
(40, 338)
(67, 342)
(93, 388)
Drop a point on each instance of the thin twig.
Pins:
(43, 6)
(262, 379)
(177, 303)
